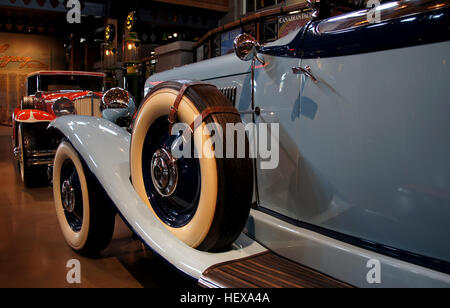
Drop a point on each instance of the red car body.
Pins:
(35, 110)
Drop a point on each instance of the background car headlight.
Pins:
(63, 106)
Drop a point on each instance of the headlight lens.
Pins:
(63, 106)
(115, 98)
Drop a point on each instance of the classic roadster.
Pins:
(51, 94)
(360, 194)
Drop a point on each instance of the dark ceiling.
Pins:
(154, 17)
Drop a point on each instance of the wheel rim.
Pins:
(172, 185)
(71, 196)
(164, 172)
(68, 195)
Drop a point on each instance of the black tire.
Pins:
(234, 176)
(31, 176)
(89, 226)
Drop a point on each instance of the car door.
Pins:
(277, 96)
(364, 147)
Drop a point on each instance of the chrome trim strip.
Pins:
(202, 282)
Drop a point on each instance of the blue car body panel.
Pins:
(364, 151)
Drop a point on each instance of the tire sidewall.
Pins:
(76, 240)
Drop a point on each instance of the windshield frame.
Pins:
(66, 87)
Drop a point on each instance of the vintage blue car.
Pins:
(350, 188)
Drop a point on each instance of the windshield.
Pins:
(70, 82)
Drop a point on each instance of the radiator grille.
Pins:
(230, 93)
(88, 106)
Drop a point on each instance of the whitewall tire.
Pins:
(87, 222)
(209, 204)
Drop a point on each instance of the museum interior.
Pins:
(83, 83)
(143, 37)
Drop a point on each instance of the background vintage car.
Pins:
(364, 174)
(51, 94)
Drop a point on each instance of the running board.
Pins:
(265, 270)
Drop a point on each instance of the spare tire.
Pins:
(207, 200)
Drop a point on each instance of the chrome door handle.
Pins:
(305, 71)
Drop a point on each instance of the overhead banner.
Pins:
(291, 22)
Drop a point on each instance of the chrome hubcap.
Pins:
(164, 172)
(68, 195)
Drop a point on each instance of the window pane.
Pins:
(32, 85)
(71, 82)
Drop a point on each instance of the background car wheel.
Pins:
(32, 176)
(85, 215)
(205, 202)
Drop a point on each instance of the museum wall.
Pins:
(20, 55)
(174, 55)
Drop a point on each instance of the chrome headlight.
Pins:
(246, 47)
(116, 98)
(63, 106)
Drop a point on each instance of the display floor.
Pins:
(33, 252)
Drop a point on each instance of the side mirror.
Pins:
(246, 47)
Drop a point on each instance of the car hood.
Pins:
(72, 95)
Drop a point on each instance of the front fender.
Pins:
(33, 116)
(105, 149)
